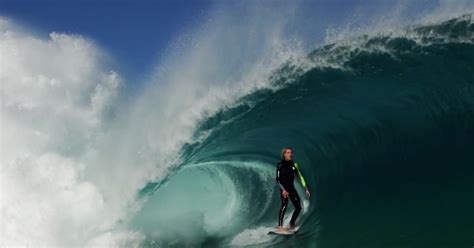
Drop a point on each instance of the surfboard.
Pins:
(277, 232)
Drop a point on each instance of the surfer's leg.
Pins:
(284, 204)
(295, 199)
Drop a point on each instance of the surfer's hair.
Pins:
(284, 150)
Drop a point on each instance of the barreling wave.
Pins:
(383, 127)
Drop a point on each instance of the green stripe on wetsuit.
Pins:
(303, 182)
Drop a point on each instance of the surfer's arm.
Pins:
(303, 182)
(278, 178)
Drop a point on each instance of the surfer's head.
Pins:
(287, 153)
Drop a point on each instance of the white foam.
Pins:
(253, 236)
(122, 238)
(55, 93)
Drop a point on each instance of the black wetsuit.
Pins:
(285, 176)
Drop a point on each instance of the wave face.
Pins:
(385, 140)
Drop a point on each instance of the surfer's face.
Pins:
(288, 154)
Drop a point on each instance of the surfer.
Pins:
(285, 174)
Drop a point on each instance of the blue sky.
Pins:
(137, 33)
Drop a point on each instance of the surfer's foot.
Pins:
(282, 229)
(292, 227)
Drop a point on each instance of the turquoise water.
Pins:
(385, 140)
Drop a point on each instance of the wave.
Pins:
(383, 128)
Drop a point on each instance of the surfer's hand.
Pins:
(285, 194)
(308, 194)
